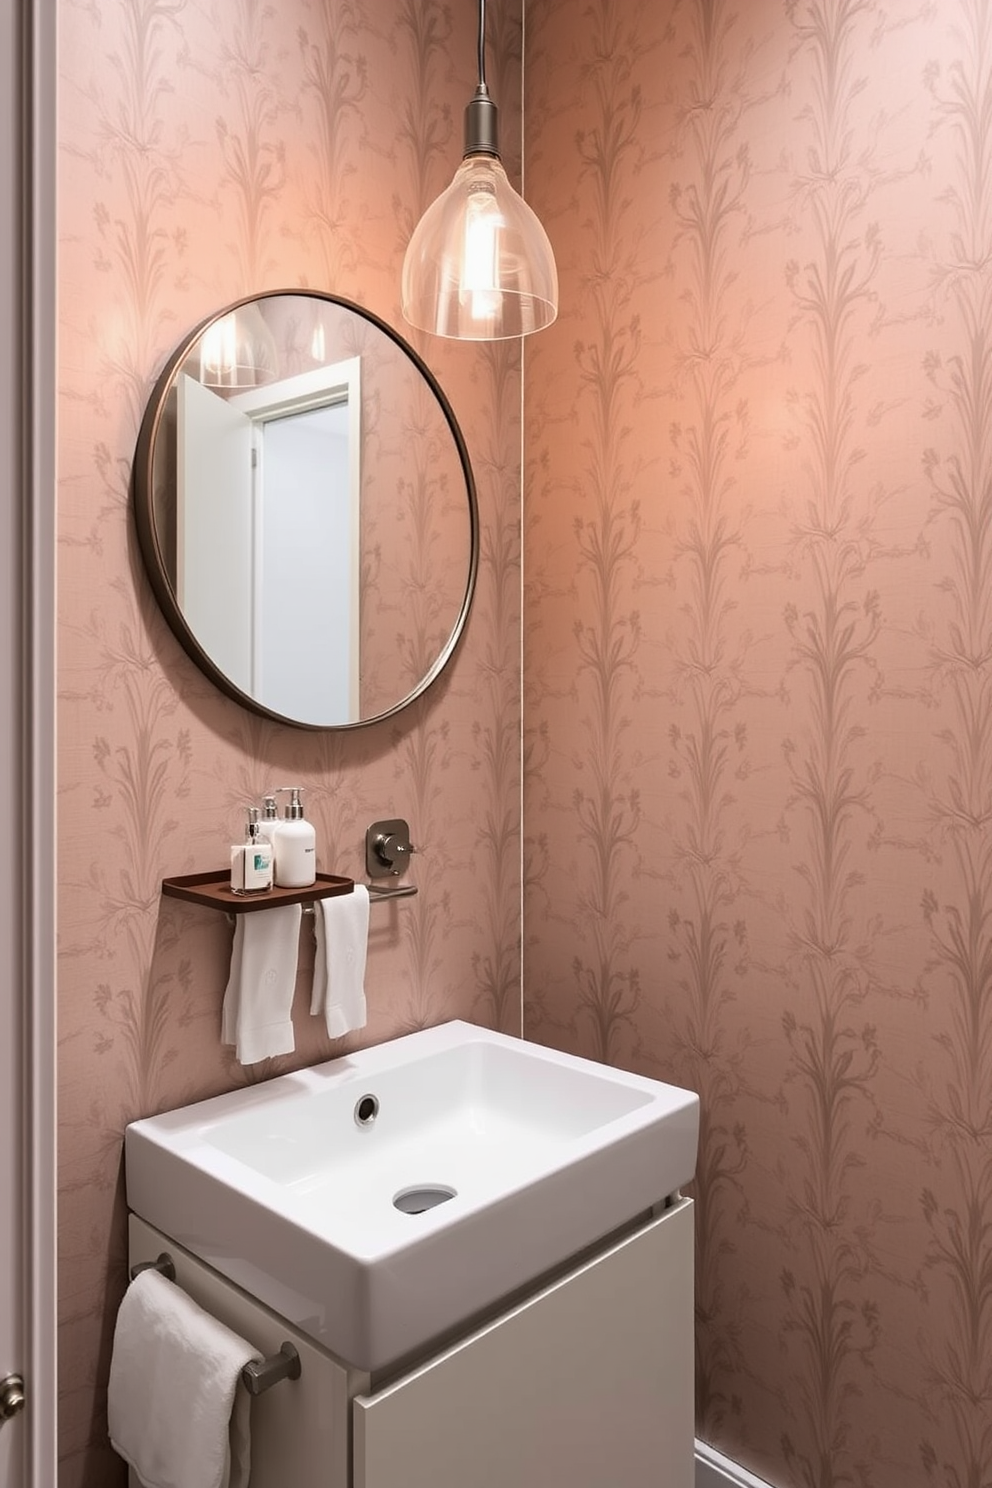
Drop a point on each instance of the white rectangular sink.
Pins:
(383, 1198)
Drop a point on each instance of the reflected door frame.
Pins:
(28, 1450)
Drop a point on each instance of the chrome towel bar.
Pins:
(377, 894)
(261, 1374)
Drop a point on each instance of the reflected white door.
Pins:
(308, 571)
(215, 530)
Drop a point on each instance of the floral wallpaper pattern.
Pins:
(758, 681)
(210, 148)
(756, 641)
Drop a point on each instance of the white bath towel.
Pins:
(341, 930)
(176, 1409)
(257, 1017)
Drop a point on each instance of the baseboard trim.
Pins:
(714, 1470)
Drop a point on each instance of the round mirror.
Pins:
(306, 510)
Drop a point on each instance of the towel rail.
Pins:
(376, 895)
(261, 1374)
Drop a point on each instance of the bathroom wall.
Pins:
(208, 150)
(758, 665)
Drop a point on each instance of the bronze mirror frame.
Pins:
(150, 545)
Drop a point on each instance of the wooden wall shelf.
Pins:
(213, 891)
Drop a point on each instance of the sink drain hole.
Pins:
(419, 1200)
(366, 1110)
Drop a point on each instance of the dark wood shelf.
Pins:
(213, 891)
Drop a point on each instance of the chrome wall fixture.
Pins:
(387, 856)
(479, 266)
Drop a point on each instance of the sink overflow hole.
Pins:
(366, 1110)
(419, 1200)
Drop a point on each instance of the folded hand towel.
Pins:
(175, 1405)
(341, 930)
(258, 1001)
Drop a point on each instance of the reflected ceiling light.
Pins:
(238, 351)
(479, 266)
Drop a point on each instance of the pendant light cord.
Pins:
(482, 46)
(481, 131)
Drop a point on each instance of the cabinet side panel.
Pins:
(299, 1428)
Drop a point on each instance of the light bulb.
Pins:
(218, 355)
(480, 256)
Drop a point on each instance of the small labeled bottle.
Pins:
(295, 843)
(251, 860)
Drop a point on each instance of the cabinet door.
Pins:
(588, 1384)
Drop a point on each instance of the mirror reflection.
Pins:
(306, 510)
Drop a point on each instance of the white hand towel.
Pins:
(258, 1001)
(341, 930)
(175, 1405)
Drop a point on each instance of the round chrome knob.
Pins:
(11, 1396)
(390, 850)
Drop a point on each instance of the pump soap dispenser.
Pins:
(295, 843)
(270, 820)
(251, 861)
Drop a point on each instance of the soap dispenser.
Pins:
(270, 820)
(295, 843)
(251, 861)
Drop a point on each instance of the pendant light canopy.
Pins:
(479, 266)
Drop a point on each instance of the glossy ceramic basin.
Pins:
(381, 1199)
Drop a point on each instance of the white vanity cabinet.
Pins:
(586, 1382)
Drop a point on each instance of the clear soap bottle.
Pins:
(269, 820)
(251, 860)
(295, 843)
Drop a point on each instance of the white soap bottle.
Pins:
(295, 843)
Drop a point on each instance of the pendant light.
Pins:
(479, 266)
(238, 351)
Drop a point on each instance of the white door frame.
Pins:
(28, 1449)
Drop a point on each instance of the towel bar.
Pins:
(261, 1374)
(376, 895)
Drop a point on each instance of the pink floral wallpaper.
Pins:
(758, 681)
(757, 631)
(210, 148)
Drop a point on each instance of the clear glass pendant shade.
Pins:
(479, 266)
(239, 351)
